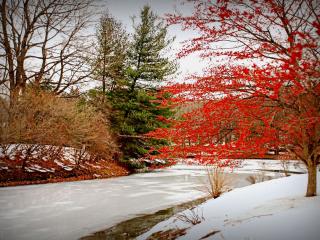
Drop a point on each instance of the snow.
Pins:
(64, 157)
(65, 167)
(253, 165)
(38, 168)
(275, 209)
(43, 152)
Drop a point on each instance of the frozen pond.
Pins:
(75, 209)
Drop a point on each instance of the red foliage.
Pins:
(263, 93)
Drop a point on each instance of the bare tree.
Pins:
(43, 43)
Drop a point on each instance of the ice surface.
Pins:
(71, 210)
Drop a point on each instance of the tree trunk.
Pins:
(312, 181)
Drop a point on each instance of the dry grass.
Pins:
(217, 181)
(285, 164)
(252, 179)
(260, 176)
(192, 216)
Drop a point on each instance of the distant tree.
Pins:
(262, 90)
(112, 43)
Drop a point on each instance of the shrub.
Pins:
(217, 181)
(39, 118)
(191, 217)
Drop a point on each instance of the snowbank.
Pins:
(35, 163)
(62, 156)
(276, 209)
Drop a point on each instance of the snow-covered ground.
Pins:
(275, 209)
(74, 209)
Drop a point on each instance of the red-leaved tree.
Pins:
(262, 89)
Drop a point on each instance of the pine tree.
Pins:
(147, 64)
(136, 106)
(111, 53)
(108, 63)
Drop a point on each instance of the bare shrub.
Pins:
(217, 181)
(258, 177)
(192, 216)
(252, 179)
(285, 164)
(40, 118)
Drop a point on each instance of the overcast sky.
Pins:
(123, 10)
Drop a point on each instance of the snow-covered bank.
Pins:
(276, 209)
(253, 165)
(35, 163)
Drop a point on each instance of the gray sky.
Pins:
(123, 10)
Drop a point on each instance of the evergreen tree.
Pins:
(131, 74)
(111, 53)
(136, 106)
(108, 63)
(147, 64)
